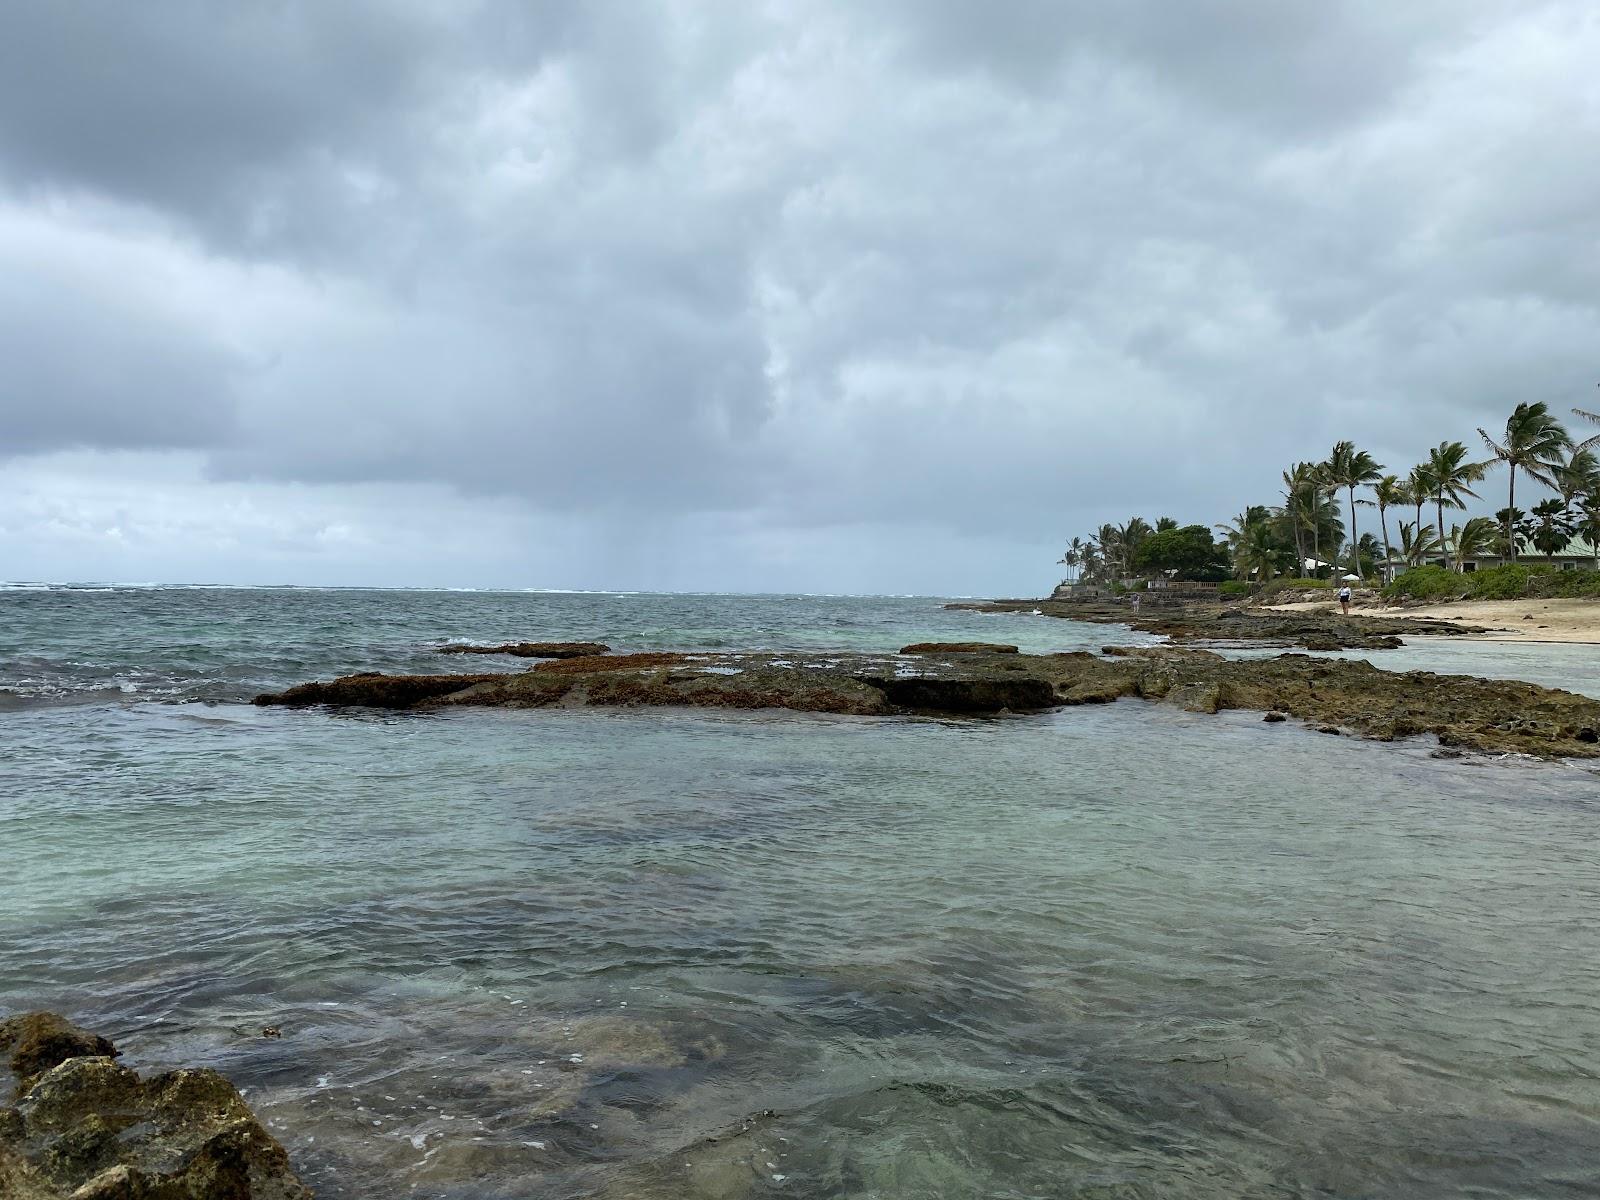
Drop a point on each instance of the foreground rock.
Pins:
(85, 1128)
(533, 649)
(1236, 624)
(1339, 695)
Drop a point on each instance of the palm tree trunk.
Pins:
(1444, 551)
(1511, 511)
(1355, 542)
(1388, 556)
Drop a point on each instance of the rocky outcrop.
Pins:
(1336, 694)
(86, 1128)
(373, 689)
(1224, 624)
(958, 648)
(533, 649)
(1343, 695)
(860, 685)
(38, 1041)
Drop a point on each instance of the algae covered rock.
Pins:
(86, 1128)
(958, 648)
(533, 649)
(39, 1040)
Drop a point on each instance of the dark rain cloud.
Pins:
(793, 267)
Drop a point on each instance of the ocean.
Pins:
(1116, 951)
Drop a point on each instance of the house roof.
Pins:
(1577, 548)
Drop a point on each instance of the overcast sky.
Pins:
(875, 295)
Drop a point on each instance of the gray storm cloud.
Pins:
(949, 274)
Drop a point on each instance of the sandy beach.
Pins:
(1530, 620)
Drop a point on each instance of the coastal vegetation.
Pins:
(1509, 581)
(1316, 514)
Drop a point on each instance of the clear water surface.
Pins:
(1117, 951)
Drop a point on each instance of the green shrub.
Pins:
(1429, 583)
(1508, 581)
(1285, 583)
(1584, 582)
(1233, 587)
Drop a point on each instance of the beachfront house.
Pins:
(1579, 555)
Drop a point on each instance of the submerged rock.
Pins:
(85, 1128)
(1491, 715)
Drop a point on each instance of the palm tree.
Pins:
(1258, 551)
(1350, 468)
(1579, 476)
(1309, 507)
(1367, 550)
(1330, 523)
(1165, 523)
(1233, 531)
(1129, 538)
(1588, 443)
(1420, 484)
(1416, 542)
(1588, 526)
(1534, 441)
(1236, 533)
(1093, 562)
(1471, 539)
(1507, 519)
(1298, 484)
(1073, 558)
(1450, 473)
(1388, 493)
(1107, 541)
(1548, 527)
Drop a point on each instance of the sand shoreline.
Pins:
(1565, 621)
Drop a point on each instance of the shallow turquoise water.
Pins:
(1116, 951)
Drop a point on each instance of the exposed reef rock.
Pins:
(85, 1128)
(533, 649)
(373, 689)
(1478, 714)
(41, 1040)
(1225, 624)
(958, 648)
(589, 664)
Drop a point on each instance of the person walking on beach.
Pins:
(1344, 599)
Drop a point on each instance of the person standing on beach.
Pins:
(1344, 599)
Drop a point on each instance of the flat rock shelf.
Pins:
(1333, 695)
(1235, 624)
